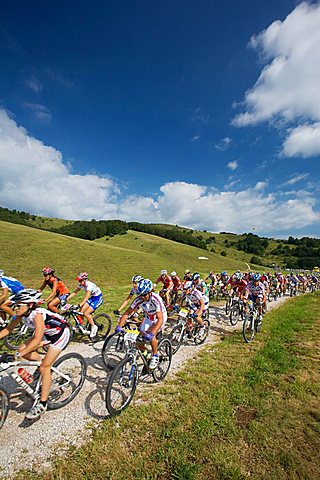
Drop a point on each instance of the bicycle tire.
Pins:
(121, 386)
(228, 306)
(76, 370)
(18, 336)
(113, 350)
(234, 315)
(165, 359)
(201, 335)
(247, 330)
(106, 323)
(4, 405)
(176, 337)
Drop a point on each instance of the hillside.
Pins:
(110, 261)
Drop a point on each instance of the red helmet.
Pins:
(82, 276)
(47, 270)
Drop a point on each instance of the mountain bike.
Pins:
(124, 379)
(18, 335)
(68, 374)
(231, 301)
(236, 311)
(293, 289)
(79, 323)
(188, 328)
(251, 323)
(116, 345)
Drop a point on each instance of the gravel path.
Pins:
(24, 444)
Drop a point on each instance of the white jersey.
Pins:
(90, 287)
(194, 299)
(151, 307)
(54, 323)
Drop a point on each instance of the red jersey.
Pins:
(166, 280)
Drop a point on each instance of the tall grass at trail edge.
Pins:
(236, 412)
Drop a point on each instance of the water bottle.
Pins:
(25, 375)
(80, 319)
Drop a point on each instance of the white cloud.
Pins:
(224, 144)
(40, 112)
(35, 179)
(303, 141)
(233, 165)
(195, 138)
(288, 86)
(296, 178)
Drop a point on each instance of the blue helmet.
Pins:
(224, 273)
(196, 276)
(145, 286)
(256, 277)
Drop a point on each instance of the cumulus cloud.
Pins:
(233, 165)
(34, 178)
(287, 89)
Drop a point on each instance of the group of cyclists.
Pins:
(53, 331)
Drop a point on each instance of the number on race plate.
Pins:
(131, 335)
(183, 313)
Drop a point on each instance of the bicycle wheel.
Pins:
(234, 315)
(201, 333)
(4, 405)
(121, 386)
(165, 358)
(248, 327)
(18, 335)
(68, 374)
(176, 337)
(103, 321)
(228, 305)
(113, 350)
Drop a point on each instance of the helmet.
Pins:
(145, 286)
(196, 276)
(1, 273)
(224, 273)
(238, 275)
(187, 272)
(47, 270)
(256, 277)
(82, 276)
(136, 278)
(28, 295)
(187, 285)
(164, 272)
(173, 274)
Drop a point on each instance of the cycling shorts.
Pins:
(254, 298)
(60, 342)
(95, 302)
(148, 322)
(63, 297)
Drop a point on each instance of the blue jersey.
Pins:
(13, 285)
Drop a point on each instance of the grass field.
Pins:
(238, 412)
(110, 262)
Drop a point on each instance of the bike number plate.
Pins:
(183, 313)
(131, 335)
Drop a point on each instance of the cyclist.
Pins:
(49, 329)
(200, 284)
(167, 287)
(7, 285)
(177, 285)
(255, 291)
(187, 276)
(59, 290)
(134, 291)
(155, 317)
(92, 300)
(237, 284)
(197, 302)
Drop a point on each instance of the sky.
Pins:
(203, 114)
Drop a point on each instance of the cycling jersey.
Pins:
(13, 285)
(176, 282)
(133, 291)
(151, 307)
(90, 287)
(238, 284)
(167, 282)
(255, 290)
(61, 288)
(194, 299)
(54, 324)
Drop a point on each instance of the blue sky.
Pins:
(204, 114)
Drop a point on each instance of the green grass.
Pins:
(110, 263)
(240, 411)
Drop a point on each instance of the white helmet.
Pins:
(173, 274)
(164, 272)
(28, 295)
(188, 285)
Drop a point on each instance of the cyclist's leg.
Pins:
(52, 305)
(31, 355)
(6, 307)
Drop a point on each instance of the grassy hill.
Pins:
(111, 262)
